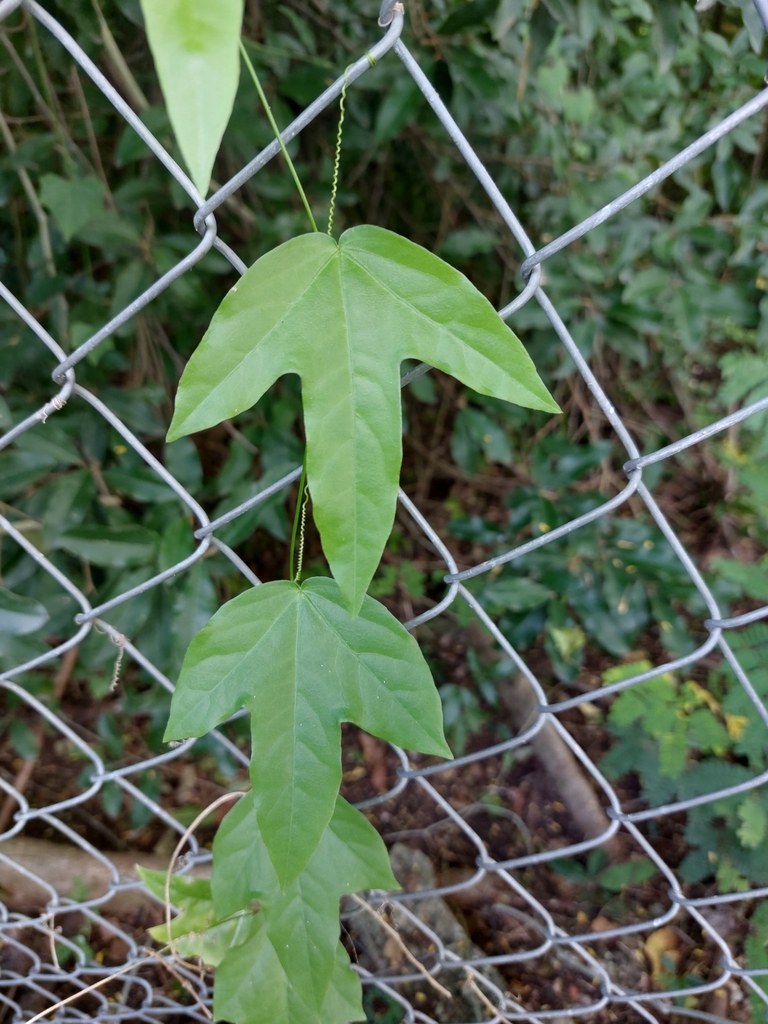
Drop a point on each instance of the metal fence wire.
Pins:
(138, 997)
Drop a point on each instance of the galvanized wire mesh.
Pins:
(139, 999)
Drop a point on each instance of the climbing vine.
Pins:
(304, 656)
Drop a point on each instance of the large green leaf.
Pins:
(195, 47)
(294, 656)
(301, 922)
(343, 316)
(277, 951)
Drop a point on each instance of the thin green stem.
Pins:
(297, 516)
(276, 130)
(337, 160)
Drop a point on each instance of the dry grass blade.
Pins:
(395, 936)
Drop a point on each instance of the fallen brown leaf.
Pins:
(663, 940)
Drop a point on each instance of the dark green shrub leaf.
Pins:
(117, 546)
(72, 203)
(20, 615)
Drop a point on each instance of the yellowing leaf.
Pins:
(703, 695)
(569, 640)
(663, 941)
(736, 724)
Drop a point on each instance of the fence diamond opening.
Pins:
(137, 998)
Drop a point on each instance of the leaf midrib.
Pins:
(361, 663)
(295, 687)
(403, 302)
(353, 399)
(433, 323)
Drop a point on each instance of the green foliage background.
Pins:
(569, 103)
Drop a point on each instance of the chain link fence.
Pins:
(435, 959)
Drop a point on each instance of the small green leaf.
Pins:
(627, 708)
(619, 673)
(729, 878)
(195, 47)
(517, 594)
(183, 461)
(176, 543)
(300, 663)
(344, 316)
(752, 579)
(185, 891)
(20, 615)
(708, 733)
(195, 601)
(568, 640)
(23, 739)
(140, 483)
(475, 12)
(72, 203)
(68, 499)
(301, 921)
(475, 435)
(117, 546)
(754, 824)
(673, 749)
(632, 872)
(195, 930)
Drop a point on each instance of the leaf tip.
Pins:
(353, 597)
(445, 752)
(175, 431)
(201, 179)
(172, 734)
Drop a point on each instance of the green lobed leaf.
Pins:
(752, 579)
(277, 950)
(754, 823)
(344, 316)
(194, 44)
(297, 660)
(292, 961)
